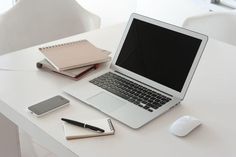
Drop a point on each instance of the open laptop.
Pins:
(149, 74)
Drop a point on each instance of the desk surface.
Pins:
(210, 98)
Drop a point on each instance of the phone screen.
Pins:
(48, 105)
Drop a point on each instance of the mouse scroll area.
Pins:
(184, 125)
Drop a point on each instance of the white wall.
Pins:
(171, 11)
(175, 11)
(5, 5)
(116, 11)
(110, 11)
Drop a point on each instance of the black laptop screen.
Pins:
(159, 54)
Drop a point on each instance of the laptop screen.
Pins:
(159, 54)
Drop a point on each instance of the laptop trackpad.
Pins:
(105, 102)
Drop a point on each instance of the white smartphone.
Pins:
(48, 105)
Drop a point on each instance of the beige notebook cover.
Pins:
(75, 132)
(73, 55)
(74, 73)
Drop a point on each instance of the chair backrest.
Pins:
(32, 22)
(218, 25)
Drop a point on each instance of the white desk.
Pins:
(210, 97)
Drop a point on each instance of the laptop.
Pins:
(149, 74)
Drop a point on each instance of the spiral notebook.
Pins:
(75, 132)
(74, 55)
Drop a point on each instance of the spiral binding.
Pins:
(59, 45)
(110, 124)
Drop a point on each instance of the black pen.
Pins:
(83, 125)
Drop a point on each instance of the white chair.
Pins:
(218, 25)
(32, 22)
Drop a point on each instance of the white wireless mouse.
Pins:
(184, 125)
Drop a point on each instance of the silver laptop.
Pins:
(149, 74)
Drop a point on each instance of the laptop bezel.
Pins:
(149, 82)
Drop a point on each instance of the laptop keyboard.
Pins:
(130, 91)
